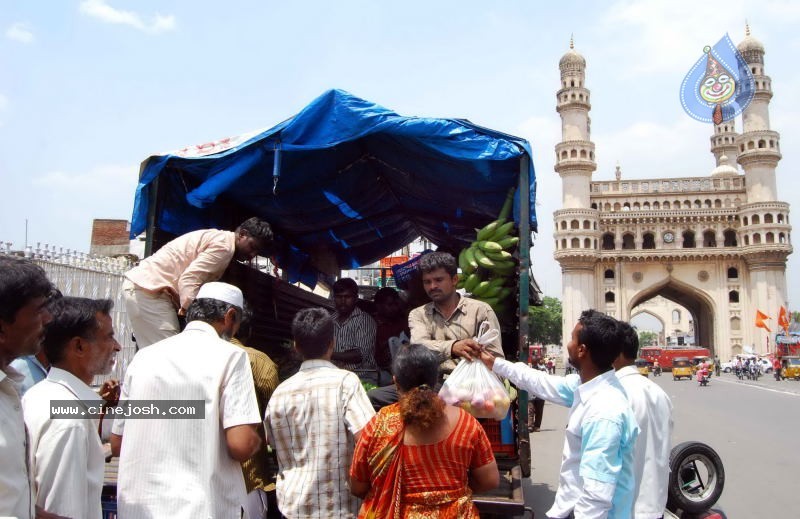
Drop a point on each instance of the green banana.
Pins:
(462, 261)
(460, 283)
(471, 282)
(489, 229)
(482, 260)
(499, 256)
(469, 256)
(504, 293)
(481, 289)
(489, 246)
(502, 231)
(497, 282)
(502, 267)
(505, 211)
(509, 243)
(491, 301)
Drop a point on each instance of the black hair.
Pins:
(384, 294)
(210, 310)
(261, 231)
(246, 326)
(21, 281)
(312, 330)
(599, 333)
(72, 317)
(345, 285)
(629, 340)
(416, 371)
(438, 260)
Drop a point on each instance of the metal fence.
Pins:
(81, 275)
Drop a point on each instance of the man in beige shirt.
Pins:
(169, 279)
(446, 325)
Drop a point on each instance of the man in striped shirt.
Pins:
(354, 333)
(313, 421)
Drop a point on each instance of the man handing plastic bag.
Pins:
(475, 389)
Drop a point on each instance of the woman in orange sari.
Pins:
(421, 458)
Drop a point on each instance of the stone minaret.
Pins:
(576, 225)
(765, 231)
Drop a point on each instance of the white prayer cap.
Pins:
(222, 292)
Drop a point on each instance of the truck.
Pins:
(343, 184)
(664, 356)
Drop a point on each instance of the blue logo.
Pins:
(719, 86)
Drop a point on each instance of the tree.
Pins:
(545, 321)
(648, 338)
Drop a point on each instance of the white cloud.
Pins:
(100, 10)
(20, 32)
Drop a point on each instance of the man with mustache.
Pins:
(24, 293)
(79, 345)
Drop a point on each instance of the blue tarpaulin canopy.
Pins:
(345, 179)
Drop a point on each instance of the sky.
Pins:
(90, 88)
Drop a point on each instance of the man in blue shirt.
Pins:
(597, 471)
(33, 367)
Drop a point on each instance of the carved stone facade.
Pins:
(716, 245)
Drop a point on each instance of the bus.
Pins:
(664, 355)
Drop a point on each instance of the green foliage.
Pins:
(545, 321)
(648, 338)
(796, 316)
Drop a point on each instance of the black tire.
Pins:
(689, 463)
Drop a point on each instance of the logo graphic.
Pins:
(719, 86)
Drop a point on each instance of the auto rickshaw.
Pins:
(790, 368)
(643, 366)
(699, 359)
(682, 368)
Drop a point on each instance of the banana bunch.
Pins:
(488, 265)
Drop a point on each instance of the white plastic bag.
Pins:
(475, 389)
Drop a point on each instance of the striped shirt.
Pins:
(259, 471)
(311, 422)
(356, 332)
(176, 467)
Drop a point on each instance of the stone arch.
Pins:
(646, 206)
(744, 221)
(717, 203)
(617, 207)
(780, 217)
(698, 204)
(576, 243)
(756, 219)
(729, 236)
(688, 240)
(736, 324)
(574, 224)
(709, 238)
(698, 303)
(733, 296)
(594, 205)
(768, 218)
(587, 224)
(781, 238)
(746, 240)
(583, 154)
(563, 225)
(564, 243)
(608, 274)
(610, 297)
(628, 241)
(666, 205)
(636, 206)
(687, 204)
(648, 241)
(564, 154)
(733, 273)
(757, 238)
(707, 203)
(770, 238)
(573, 154)
(608, 241)
(587, 243)
(607, 207)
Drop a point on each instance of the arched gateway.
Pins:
(715, 245)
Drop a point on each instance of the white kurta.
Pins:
(178, 467)
(653, 410)
(67, 456)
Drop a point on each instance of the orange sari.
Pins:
(418, 481)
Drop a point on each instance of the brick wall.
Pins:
(110, 237)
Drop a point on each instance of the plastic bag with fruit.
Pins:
(475, 389)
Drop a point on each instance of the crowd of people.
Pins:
(315, 444)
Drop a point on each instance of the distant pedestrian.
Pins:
(160, 289)
(313, 421)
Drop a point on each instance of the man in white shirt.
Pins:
(653, 410)
(175, 466)
(67, 457)
(313, 421)
(597, 479)
(24, 293)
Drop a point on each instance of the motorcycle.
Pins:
(702, 377)
(657, 371)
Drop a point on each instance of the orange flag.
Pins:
(783, 320)
(760, 318)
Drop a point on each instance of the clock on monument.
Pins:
(668, 237)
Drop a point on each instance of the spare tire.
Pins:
(696, 477)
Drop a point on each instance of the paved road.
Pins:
(753, 426)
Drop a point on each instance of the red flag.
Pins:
(783, 320)
(760, 318)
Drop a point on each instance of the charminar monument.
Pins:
(715, 245)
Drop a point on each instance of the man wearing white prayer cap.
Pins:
(189, 467)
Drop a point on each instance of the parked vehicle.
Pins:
(666, 356)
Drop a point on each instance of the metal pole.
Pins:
(524, 281)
